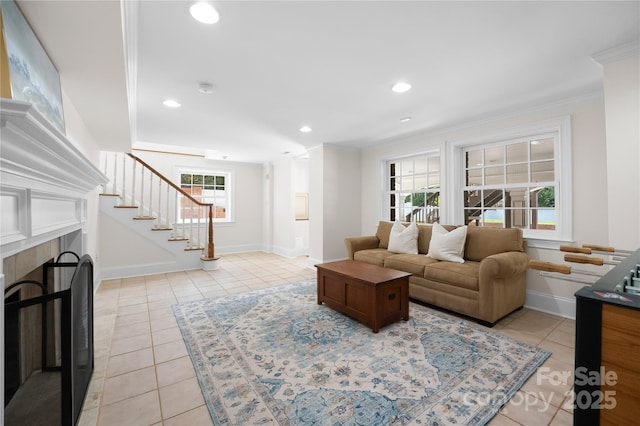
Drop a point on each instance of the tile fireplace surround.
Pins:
(45, 181)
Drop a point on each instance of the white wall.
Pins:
(622, 106)
(267, 206)
(283, 208)
(590, 207)
(290, 237)
(114, 238)
(80, 136)
(301, 185)
(334, 199)
(316, 204)
(245, 232)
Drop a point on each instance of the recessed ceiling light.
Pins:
(401, 87)
(535, 142)
(305, 129)
(405, 119)
(204, 12)
(171, 103)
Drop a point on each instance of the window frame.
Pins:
(228, 176)
(561, 128)
(386, 193)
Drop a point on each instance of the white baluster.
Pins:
(191, 225)
(133, 184)
(150, 193)
(203, 226)
(115, 171)
(124, 182)
(199, 224)
(174, 231)
(168, 216)
(159, 221)
(142, 192)
(182, 201)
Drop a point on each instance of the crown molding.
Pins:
(129, 14)
(617, 52)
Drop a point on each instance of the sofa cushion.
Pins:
(424, 237)
(384, 229)
(373, 256)
(463, 275)
(447, 245)
(412, 263)
(484, 242)
(403, 239)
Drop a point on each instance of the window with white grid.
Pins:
(206, 187)
(413, 189)
(519, 178)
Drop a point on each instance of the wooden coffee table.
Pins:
(371, 294)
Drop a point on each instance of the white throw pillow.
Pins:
(403, 239)
(445, 245)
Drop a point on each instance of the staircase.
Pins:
(171, 220)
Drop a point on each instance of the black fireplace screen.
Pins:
(72, 323)
(81, 362)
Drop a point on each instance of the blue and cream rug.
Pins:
(276, 357)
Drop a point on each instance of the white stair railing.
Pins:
(187, 218)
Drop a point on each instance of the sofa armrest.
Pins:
(355, 244)
(504, 264)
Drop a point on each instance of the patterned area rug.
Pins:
(276, 357)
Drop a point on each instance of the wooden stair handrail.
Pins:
(210, 250)
(168, 182)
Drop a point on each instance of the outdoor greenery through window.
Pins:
(413, 191)
(207, 188)
(512, 184)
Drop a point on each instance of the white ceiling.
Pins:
(276, 66)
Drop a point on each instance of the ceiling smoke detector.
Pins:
(205, 88)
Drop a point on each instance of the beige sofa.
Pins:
(489, 285)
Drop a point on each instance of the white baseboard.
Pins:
(311, 262)
(148, 269)
(284, 252)
(246, 248)
(555, 305)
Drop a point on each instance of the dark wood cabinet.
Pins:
(370, 294)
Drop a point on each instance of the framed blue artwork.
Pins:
(33, 76)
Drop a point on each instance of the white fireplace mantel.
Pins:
(44, 179)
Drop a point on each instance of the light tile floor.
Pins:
(143, 375)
